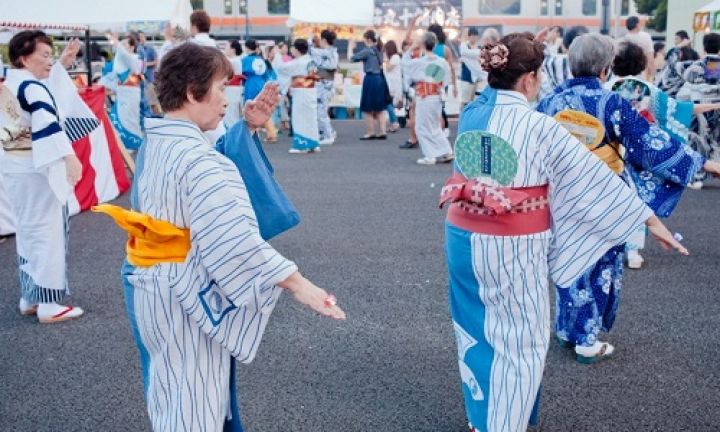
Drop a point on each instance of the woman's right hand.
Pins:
(73, 168)
(663, 236)
(316, 298)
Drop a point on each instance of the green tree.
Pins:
(657, 9)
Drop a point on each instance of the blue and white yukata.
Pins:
(256, 71)
(130, 109)
(306, 136)
(326, 60)
(659, 165)
(655, 105)
(35, 178)
(499, 283)
(190, 319)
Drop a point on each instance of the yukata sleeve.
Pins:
(650, 149)
(224, 226)
(50, 143)
(592, 209)
(132, 63)
(245, 268)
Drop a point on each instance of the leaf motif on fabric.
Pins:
(481, 154)
(434, 73)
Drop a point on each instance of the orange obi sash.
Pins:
(425, 89)
(591, 132)
(150, 241)
(133, 80)
(485, 209)
(307, 81)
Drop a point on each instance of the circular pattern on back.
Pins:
(434, 72)
(481, 154)
(259, 66)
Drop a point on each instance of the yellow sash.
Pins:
(150, 241)
(591, 132)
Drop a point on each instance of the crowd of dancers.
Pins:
(568, 152)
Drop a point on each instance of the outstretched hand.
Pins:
(70, 52)
(542, 34)
(663, 236)
(316, 298)
(259, 110)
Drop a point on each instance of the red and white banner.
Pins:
(104, 177)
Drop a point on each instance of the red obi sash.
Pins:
(425, 89)
(485, 209)
(236, 80)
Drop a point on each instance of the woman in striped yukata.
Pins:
(526, 198)
(200, 282)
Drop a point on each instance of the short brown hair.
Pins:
(525, 54)
(189, 68)
(24, 43)
(201, 20)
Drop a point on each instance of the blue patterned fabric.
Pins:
(590, 305)
(660, 165)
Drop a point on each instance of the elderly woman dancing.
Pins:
(39, 170)
(200, 282)
(529, 203)
(620, 136)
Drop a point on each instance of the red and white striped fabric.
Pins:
(104, 176)
(86, 122)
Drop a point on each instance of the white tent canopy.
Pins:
(99, 15)
(355, 13)
(710, 7)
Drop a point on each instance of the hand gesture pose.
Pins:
(70, 52)
(258, 111)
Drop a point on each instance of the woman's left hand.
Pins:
(70, 52)
(259, 110)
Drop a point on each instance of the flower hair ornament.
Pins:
(494, 57)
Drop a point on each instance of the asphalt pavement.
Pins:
(372, 234)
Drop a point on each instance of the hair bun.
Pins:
(494, 57)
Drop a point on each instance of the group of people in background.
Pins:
(596, 121)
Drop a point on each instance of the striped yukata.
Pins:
(659, 165)
(499, 283)
(190, 319)
(38, 190)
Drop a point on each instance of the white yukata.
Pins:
(304, 115)
(38, 190)
(499, 282)
(7, 100)
(191, 318)
(429, 69)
